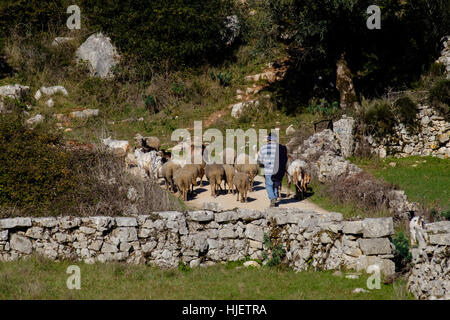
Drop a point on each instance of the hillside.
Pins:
(229, 64)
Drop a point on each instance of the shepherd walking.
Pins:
(273, 157)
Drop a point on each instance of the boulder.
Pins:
(251, 263)
(35, 120)
(239, 108)
(378, 227)
(352, 227)
(84, 114)
(100, 54)
(119, 147)
(49, 91)
(375, 246)
(343, 129)
(21, 244)
(254, 232)
(15, 91)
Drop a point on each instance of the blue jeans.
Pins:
(272, 192)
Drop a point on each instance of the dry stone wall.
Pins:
(432, 138)
(430, 274)
(205, 237)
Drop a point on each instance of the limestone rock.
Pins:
(377, 227)
(21, 244)
(201, 216)
(344, 132)
(100, 54)
(239, 108)
(15, 222)
(375, 246)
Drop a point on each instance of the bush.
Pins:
(402, 255)
(360, 190)
(437, 69)
(275, 252)
(407, 110)
(33, 169)
(439, 96)
(40, 176)
(378, 118)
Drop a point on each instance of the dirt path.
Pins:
(256, 200)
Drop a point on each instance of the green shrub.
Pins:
(183, 267)
(407, 111)
(273, 253)
(378, 118)
(437, 69)
(440, 97)
(402, 255)
(224, 78)
(32, 167)
(181, 33)
(150, 103)
(40, 176)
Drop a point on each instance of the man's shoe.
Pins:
(273, 202)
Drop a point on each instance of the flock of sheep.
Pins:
(238, 177)
(237, 172)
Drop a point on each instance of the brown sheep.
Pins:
(251, 170)
(167, 171)
(193, 170)
(229, 174)
(215, 174)
(200, 166)
(241, 182)
(183, 180)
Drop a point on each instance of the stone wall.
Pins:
(432, 138)
(205, 237)
(430, 274)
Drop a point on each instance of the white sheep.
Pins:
(416, 226)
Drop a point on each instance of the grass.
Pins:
(425, 180)
(38, 278)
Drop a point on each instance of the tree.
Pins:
(321, 32)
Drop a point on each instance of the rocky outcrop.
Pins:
(432, 138)
(430, 274)
(10, 91)
(100, 54)
(310, 240)
(239, 108)
(323, 153)
(344, 131)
